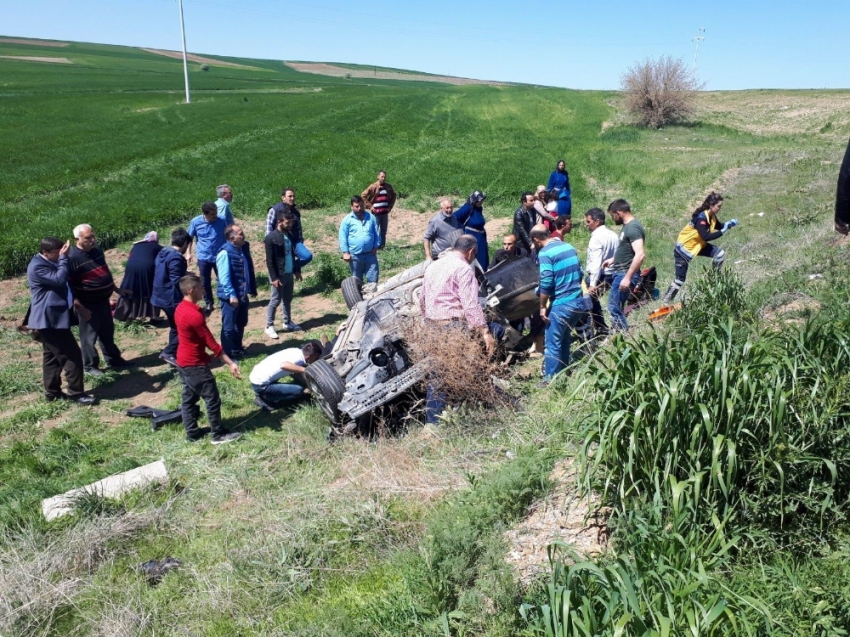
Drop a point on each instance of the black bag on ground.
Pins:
(158, 417)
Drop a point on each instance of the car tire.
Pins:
(352, 291)
(326, 386)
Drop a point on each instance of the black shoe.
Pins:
(121, 364)
(200, 433)
(168, 358)
(87, 400)
(225, 438)
(94, 371)
(51, 397)
(262, 404)
(208, 311)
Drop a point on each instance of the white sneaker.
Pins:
(270, 332)
(292, 327)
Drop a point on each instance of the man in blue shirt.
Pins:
(207, 230)
(236, 281)
(222, 204)
(359, 240)
(561, 302)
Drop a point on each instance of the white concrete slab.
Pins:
(111, 487)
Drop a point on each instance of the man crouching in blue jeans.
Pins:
(269, 392)
(561, 301)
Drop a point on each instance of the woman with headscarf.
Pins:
(559, 181)
(544, 215)
(138, 279)
(471, 217)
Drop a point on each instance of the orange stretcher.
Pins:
(663, 312)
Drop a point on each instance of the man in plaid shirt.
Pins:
(449, 297)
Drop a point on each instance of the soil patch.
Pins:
(578, 522)
(408, 227)
(332, 70)
(32, 42)
(792, 312)
(29, 58)
(200, 59)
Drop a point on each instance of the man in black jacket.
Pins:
(842, 196)
(509, 250)
(524, 220)
(280, 261)
(287, 204)
(50, 315)
(170, 268)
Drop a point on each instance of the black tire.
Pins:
(326, 386)
(352, 291)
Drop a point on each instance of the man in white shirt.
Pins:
(603, 243)
(269, 393)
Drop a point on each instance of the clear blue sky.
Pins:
(587, 45)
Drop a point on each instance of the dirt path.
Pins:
(319, 68)
(199, 58)
(29, 58)
(32, 42)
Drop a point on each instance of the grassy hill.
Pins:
(283, 534)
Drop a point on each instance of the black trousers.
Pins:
(599, 325)
(60, 351)
(171, 348)
(198, 383)
(99, 329)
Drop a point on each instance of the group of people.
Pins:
(569, 294)
(73, 284)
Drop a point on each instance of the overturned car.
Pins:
(370, 364)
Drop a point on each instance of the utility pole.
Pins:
(185, 59)
(699, 38)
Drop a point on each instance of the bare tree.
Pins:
(659, 92)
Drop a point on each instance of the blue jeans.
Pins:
(233, 322)
(303, 254)
(364, 265)
(617, 301)
(279, 393)
(205, 269)
(562, 319)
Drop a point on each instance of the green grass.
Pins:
(282, 533)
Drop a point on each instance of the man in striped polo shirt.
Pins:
(561, 301)
(379, 198)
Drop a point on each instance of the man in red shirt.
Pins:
(193, 365)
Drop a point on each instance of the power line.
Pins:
(698, 38)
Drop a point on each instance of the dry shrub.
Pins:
(659, 92)
(458, 363)
(40, 574)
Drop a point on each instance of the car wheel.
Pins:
(326, 386)
(352, 291)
